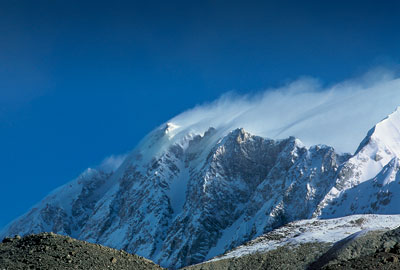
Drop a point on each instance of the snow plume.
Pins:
(339, 115)
(112, 163)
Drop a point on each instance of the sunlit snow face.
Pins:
(339, 115)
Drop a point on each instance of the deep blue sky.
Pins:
(81, 80)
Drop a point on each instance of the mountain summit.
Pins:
(183, 197)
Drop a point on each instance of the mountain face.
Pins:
(181, 197)
(369, 181)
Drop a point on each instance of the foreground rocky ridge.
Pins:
(368, 249)
(183, 197)
(311, 231)
(282, 258)
(50, 251)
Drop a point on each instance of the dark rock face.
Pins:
(50, 251)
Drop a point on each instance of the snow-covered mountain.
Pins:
(368, 182)
(182, 197)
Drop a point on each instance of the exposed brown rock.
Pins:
(51, 251)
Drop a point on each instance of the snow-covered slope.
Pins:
(66, 209)
(314, 230)
(364, 182)
(184, 196)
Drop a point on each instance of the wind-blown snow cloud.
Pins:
(112, 162)
(338, 115)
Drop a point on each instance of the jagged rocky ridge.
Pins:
(181, 198)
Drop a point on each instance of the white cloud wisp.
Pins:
(339, 115)
(112, 162)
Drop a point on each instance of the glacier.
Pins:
(183, 196)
